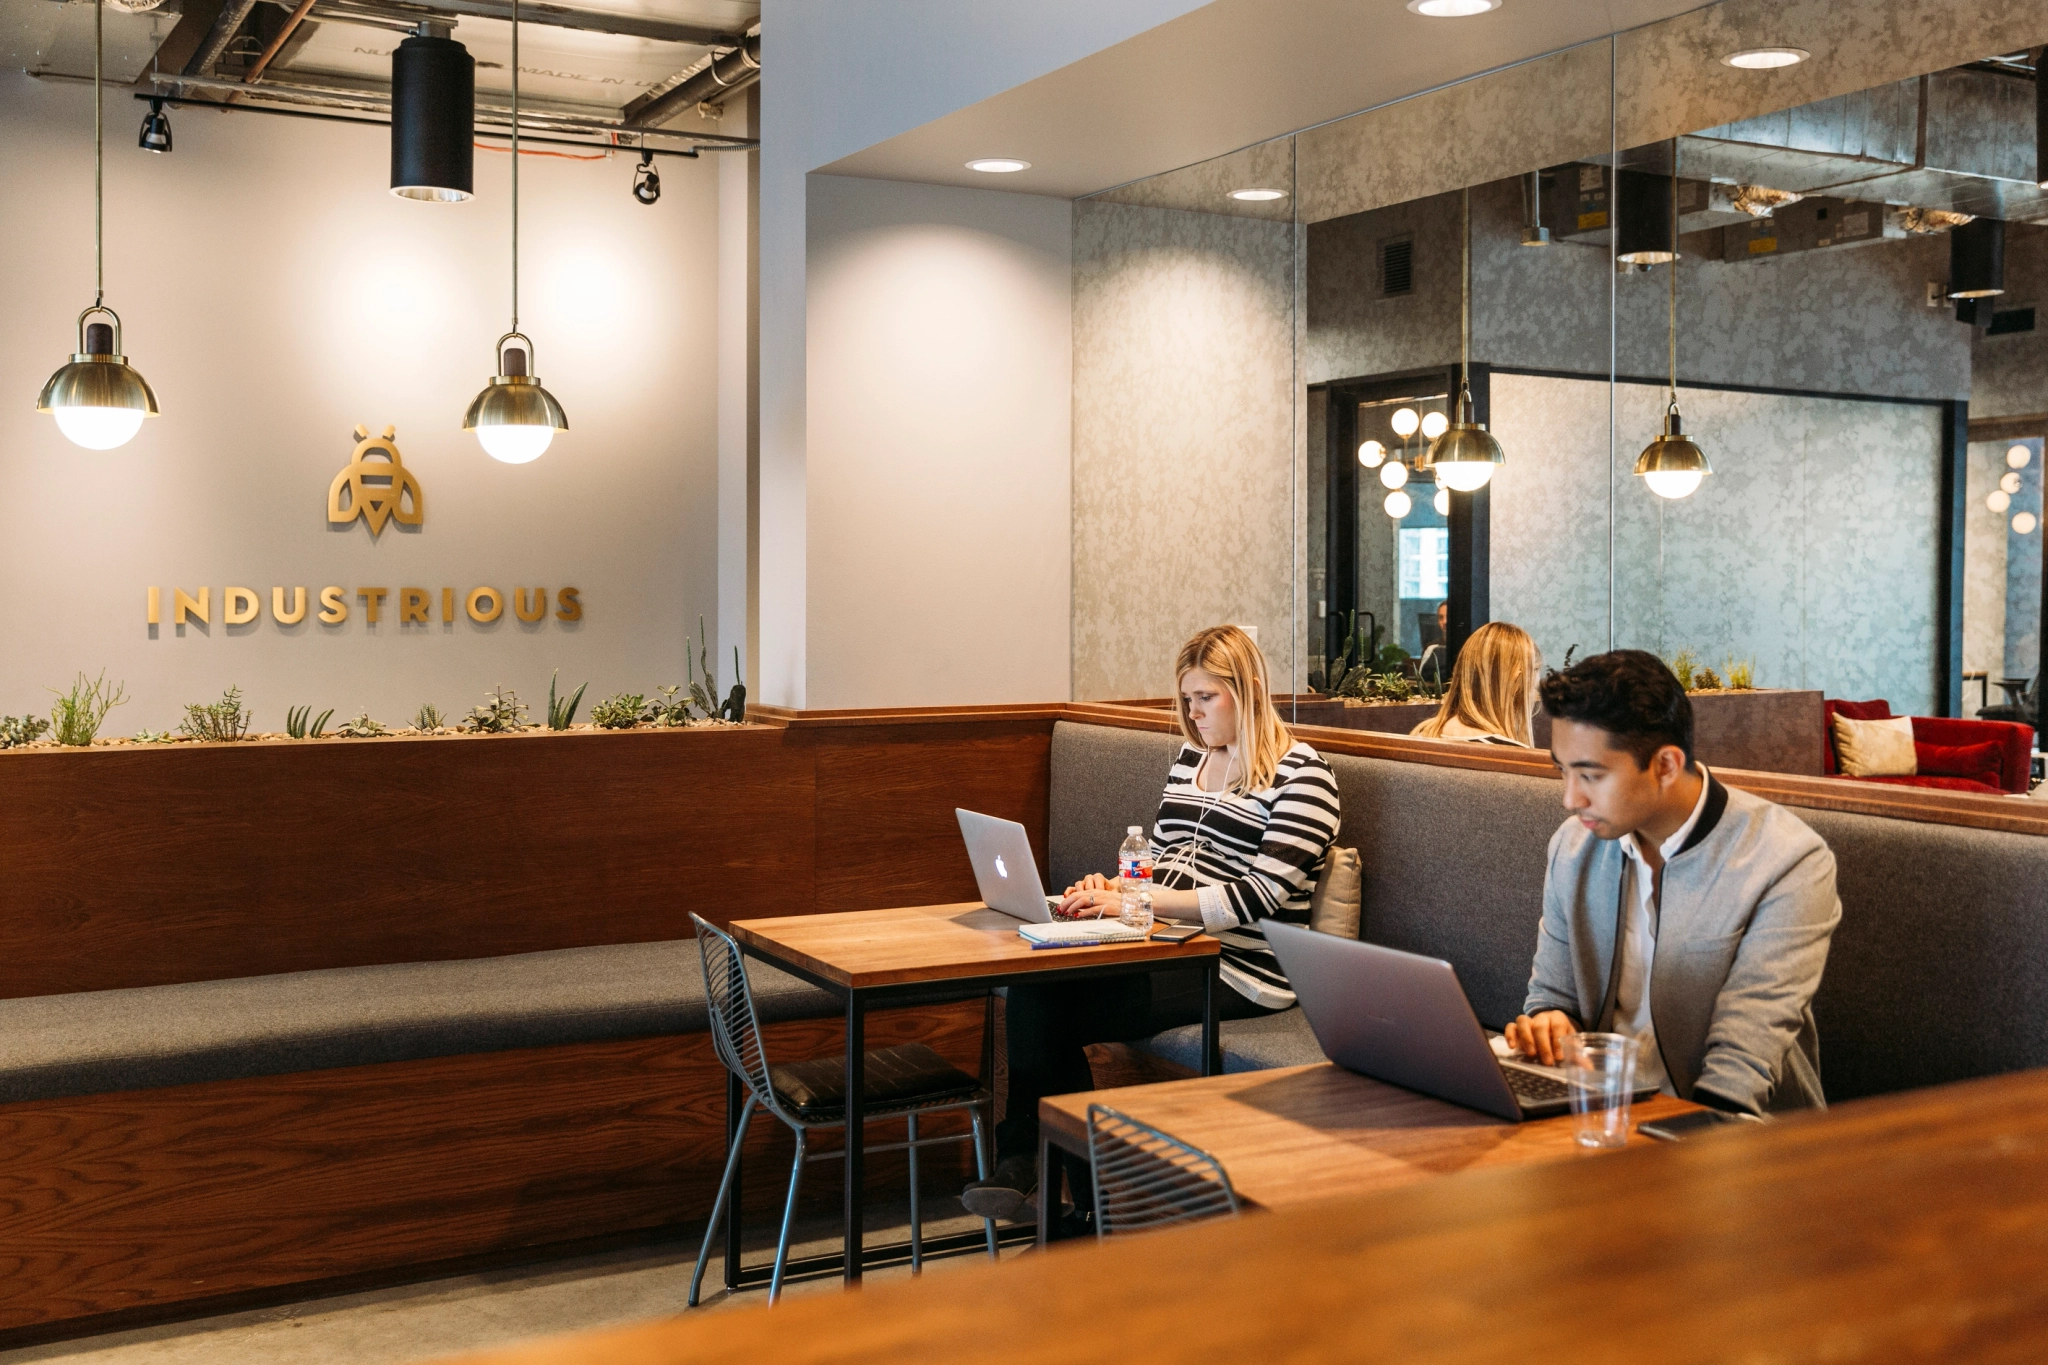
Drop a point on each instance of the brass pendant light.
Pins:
(1672, 465)
(99, 401)
(514, 417)
(1466, 455)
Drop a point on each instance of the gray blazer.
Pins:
(1746, 912)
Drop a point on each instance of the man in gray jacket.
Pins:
(1690, 916)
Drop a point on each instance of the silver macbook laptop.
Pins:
(1403, 1018)
(1004, 868)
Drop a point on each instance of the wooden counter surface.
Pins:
(1908, 1228)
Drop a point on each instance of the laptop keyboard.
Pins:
(1527, 1085)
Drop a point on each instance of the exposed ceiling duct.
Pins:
(722, 77)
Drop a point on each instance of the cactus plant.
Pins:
(219, 721)
(735, 707)
(561, 713)
(80, 712)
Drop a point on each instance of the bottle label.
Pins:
(1137, 868)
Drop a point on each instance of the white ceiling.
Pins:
(1232, 73)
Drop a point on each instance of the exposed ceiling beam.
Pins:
(406, 12)
(230, 18)
(724, 75)
(182, 41)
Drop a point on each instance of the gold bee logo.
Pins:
(378, 491)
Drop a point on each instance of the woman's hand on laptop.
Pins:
(1092, 896)
(1541, 1038)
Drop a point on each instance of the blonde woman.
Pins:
(1492, 696)
(1246, 819)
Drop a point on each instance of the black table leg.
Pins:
(735, 1100)
(856, 1125)
(1212, 1039)
(1048, 1197)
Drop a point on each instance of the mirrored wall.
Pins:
(1801, 297)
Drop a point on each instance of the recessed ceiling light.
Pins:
(998, 165)
(1766, 58)
(1258, 196)
(1452, 9)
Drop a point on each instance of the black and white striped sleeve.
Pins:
(1300, 828)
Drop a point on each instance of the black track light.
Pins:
(433, 117)
(1976, 267)
(646, 180)
(1644, 219)
(156, 129)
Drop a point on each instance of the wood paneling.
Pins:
(1882, 1231)
(145, 1198)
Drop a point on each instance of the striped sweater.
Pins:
(1249, 856)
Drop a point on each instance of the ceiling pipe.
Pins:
(291, 26)
(225, 25)
(727, 75)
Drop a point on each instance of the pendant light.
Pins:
(1646, 220)
(1466, 455)
(514, 417)
(1671, 464)
(433, 117)
(99, 402)
(1976, 259)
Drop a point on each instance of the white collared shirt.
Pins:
(1639, 946)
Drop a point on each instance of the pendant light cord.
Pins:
(1465, 300)
(99, 160)
(515, 166)
(1674, 272)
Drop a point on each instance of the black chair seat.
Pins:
(902, 1077)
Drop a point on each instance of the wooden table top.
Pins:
(915, 943)
(1908, 1228)
(1302, 1133)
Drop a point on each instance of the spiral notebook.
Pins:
(1070, 932)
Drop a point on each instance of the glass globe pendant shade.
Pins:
(1434, 424)
(1398, 505)
(1465, 455)
(99, 401)
(1671, 464)
(1372, 454)
(1405, 422)
(1442, 502)
(514, 418)
(1394, 474)
(1998, 501)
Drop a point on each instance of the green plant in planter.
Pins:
(1741, 675)
(221, 720)
(16, 731)
(735, 708)
(147, 736)
(561, 713)
(80, 712)
(672, 710)
(295, 722)
(704, 695)
(429, 718)
(501, 713)
(620, 712)
(362, 727)
(1706, 680)
(1683, 666)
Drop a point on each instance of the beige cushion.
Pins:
(1875, 748)
(1333, 907)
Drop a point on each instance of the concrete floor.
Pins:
(471, 1312)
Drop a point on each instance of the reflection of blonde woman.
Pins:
(1492, 696)
(1246, 819)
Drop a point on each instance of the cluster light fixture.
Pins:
(99, 401)
(514, 418)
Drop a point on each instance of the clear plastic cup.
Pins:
(1600, 1076)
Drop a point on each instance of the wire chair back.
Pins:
(1147, 1179)
(735, 1029)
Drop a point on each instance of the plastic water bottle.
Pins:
(1134, 870)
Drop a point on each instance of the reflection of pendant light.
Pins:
(1371, 454)
(1466, 455)
(1671, 464)
(1976, 259)
(514, 417)
(1533, 232)
(1405, 422)
(433, 117)
(99, 402)
(1398, 505)
(1646, 218)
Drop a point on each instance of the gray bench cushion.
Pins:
(1282, 1039)
(57, 1045)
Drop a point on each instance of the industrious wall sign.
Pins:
(377, 489)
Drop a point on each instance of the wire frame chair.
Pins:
(1146, 1179)
(736, 1039)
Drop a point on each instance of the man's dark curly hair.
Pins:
(1631, 695)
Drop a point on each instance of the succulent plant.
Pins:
(501, 713)
(361, 727)
(221, 720)
(1741, 675)
(148, 736)
(561, 713)
(16, 731)
(429, 718)
(295, 722)
(80, 712)
(703, 695)
(673, 709)
(619, 712)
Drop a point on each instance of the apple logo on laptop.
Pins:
(1002, 871)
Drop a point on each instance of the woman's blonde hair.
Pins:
(1493, 687)
(1234, 659)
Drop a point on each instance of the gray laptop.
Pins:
(1004, 868)
(1403, 1018)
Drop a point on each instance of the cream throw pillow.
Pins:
(1876, 748)
(1334, 906)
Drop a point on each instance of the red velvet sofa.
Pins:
(1951, 751)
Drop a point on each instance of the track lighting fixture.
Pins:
(98, 400)
(156, 129)
(646, 180)
(514, 418)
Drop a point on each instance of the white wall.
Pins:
(839, 77)
(275, 295)
(940, 400)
